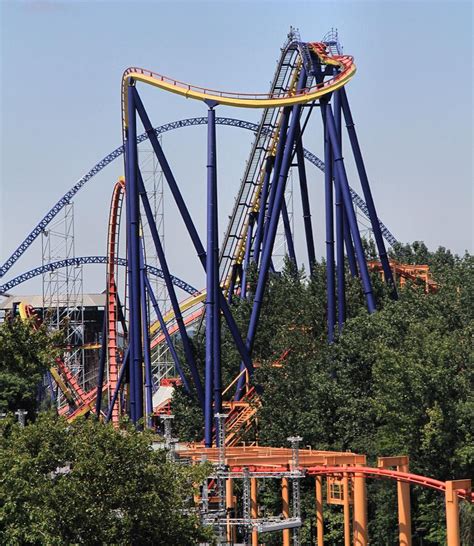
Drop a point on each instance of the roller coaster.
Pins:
(310, 77)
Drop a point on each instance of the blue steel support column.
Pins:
(288, 234)
(279, 180)
(233, 278)
(135, 339)
(330, 281)
(171, 292)
(305, 203)
(131, 381)
(100, 376)
(341, 179)
(146, 342)
(218, 295)
(351, 258)
(123, 369)
(189, 225)
(367, 192)
(168, 339)
(212, 373)
(121, 316)
(270, 160)
(341, 288)
(248, 247)
(276, 169)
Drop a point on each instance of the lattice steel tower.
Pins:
(153, 178)
(63, 291)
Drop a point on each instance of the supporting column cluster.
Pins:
(342, 237)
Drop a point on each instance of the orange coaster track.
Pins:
(78, 400)
(112, 297)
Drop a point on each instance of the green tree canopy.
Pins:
(88, 483)
(397, 382)
(26, 354)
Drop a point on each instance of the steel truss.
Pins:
(86, 260)
(118, 152)
(278, 145)
(63, 293)
(161, 362)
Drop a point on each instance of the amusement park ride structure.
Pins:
(310, 77)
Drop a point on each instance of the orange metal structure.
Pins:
(403, 497)
(407, 272)
(112, 300)
(346, 475)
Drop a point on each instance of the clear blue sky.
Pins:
(61, 67)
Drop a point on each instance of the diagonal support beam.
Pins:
(120, 380)
(248, 248)
(367, 192)
(244, 353)
(146, 342)
(279, 182)
(288, 234)
(305, 202)
(285, 117)
(341, 179)
(233, 280)
(102, 359)
(351, 258)
(269, 162)
(168, 339)
(171, 291)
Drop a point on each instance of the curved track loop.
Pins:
(366, 471)
(382, 473)
(246, 100)
(86, 260)
(112, 299)
(190, 122)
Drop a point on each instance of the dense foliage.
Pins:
(25, 355)
(87, 483)
(395, 382)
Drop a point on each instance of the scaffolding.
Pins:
(280, 249)
(62, 291)
(153, 178)
(217, 504)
